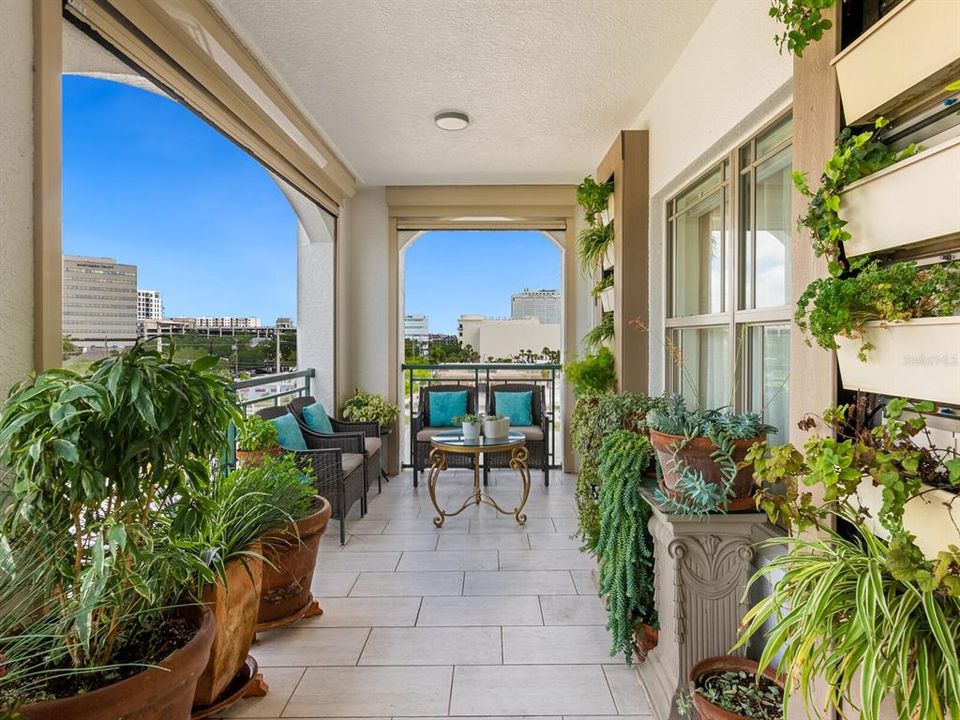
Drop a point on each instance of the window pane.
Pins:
(706, 186)
(769, 368)
(698, 257)
(703, 373)
(774, 136)
(771, 254)
(746, 242)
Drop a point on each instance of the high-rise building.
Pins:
(149, 305)
(99, 301)
(227, 323)
(416, 327)
(544, 305)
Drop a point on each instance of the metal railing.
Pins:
(480, 375)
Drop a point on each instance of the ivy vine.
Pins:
(803, 23)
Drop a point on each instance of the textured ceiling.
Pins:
(547, 83)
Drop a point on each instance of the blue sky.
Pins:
(147, 182)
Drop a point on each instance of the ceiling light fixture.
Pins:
(452, 120)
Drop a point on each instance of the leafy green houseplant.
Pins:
(370, 407)
(875, 617)
(841, 307)
(605, 282)
(803, 22)
(624, 547)
(595, 417)
(99, 460)
(600, 333)
(699, 454)
(594, 373)
(855, 155)
(594, 240)
(256, 438)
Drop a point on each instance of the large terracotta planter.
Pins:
(161, 693)
(724, 663)
(697, 454)
(254, 458)
(647, 637)
(234, 607)
(291, 557)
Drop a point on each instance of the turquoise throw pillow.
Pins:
(445, 406)
(518, 406)
(316, 418)
(288, 433)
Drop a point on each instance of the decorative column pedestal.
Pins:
(702, 567)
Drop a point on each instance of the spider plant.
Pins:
(592, 244)
(600, 333)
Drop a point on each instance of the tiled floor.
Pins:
(482, 618)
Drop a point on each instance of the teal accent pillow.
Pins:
(518, 406)
(445, 406)
(316, 418)
(288, 433)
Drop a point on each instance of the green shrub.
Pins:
(255, 434)
(593, 373)
(370, 407)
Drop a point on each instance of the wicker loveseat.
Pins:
(421, 431)
(537, 435)
(337, 475)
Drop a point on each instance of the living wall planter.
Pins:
(291, 558)
(933, 517)
(917, 359)
(913, 50)
(161, 693)
(608, 258)
(607, 299)
(927, 185)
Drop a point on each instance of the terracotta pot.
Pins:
(696, 454)
(723, 663)
(254, 458)
(234, 607)
(647, 639)
(162, 693)
(291, 557)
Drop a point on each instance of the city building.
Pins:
(416, 327)
(149, 305)
(506, 337)
(284, 323)
(227, 323)
(541, 304)
(99, 301)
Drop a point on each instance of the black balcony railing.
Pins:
(480, 375)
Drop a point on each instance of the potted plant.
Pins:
(624, 547)
(601, 333)
(99, 459)
(470, 426)
(700, 456)
(290, 551)
(881, 605)
(896, 329)
(603, 292)
(594, 373)
(256, 439)
(596, 239)
(370, 407)
(226, 522)
(496, 427)
(733, 688)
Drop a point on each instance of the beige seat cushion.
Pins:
(428, 432)
(371, 446)
(351, 461)
(531, 432)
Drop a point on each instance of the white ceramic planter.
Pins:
(917, 359)
(930, 517)
(496, 428)
(608, 258)
(915, 200)
(912, 50)
(606, 299)
(471, 431)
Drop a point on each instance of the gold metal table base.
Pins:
(518, 461)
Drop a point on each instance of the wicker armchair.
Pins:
(337, 475)
(421, 432)
(345, 436)
(537, 435)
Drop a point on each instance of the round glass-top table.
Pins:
(454, 442)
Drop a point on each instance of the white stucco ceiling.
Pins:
(547, 83)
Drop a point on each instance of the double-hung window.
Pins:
(728, 269)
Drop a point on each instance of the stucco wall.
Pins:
(729, 79)
(16, 192)
(315, 309)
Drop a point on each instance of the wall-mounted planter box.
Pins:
(606, 299)
(912, 51)
(608, 258)
(917, 359)
(917, 199)
(933, 517)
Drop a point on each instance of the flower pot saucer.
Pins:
(311, 609)
(247, 683)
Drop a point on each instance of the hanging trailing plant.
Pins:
(624, 547)
(855, 156)
(600, 333)
(803, 23)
